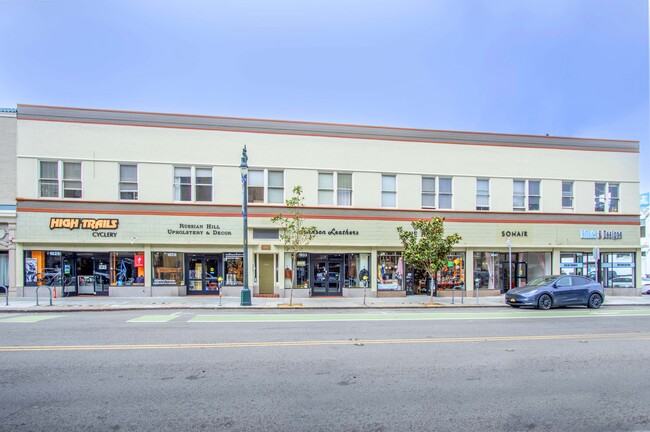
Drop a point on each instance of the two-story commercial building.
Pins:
(138, 204)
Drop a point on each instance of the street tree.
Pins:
(294, 234)
(426, 248)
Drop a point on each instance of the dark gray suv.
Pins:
(563, 290)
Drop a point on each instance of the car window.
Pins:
(541, 281)
(579, 280)
(564, 281)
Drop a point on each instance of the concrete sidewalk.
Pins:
(93, 303)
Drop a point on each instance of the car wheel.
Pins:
(545, 302)
(594, 301)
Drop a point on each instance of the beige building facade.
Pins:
(7, 198)
(146, 204)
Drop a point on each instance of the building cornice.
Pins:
(299, 128)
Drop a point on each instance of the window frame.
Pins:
(336, 189)
(193, 184)
(63, 183)
(389, 193)
(266, 187)
(568, 195)
(437, 192)
(52, 181)
(123, 182)
(527, 195)
(485, 195)
(607, 200)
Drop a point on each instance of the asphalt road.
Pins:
(434, 370)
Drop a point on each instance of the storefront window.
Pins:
(492, 270)
(453, 273)
(302, 270)
(390, 271)
(41, 266)
(356, 266)
(234, 268)
(618, 269)
(573, 263)
(127, 268)
(167, 268)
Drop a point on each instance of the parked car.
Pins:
(558, 290)
(623, 282)
(645, 281)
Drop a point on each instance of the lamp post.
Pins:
(509, 244)
(243, 167)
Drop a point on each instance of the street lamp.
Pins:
(509, 244)
(243, 167)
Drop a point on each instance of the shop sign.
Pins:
(84, 223)
(600, 235)
(138, 261)
(514, 233)
(570, 265)
(198, 230)
(233, 256)
(335, 232)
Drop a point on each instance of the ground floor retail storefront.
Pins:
(152, 251)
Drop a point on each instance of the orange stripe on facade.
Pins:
(332, 217)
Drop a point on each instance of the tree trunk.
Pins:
(293, 276)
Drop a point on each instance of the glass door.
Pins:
(202, 274)
(334, 271)
(319, 273)
(327, 277)
(101, 274)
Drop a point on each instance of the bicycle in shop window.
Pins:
(54, 277)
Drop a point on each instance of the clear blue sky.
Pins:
(575, 68)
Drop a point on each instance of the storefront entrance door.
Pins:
(203, 272)
(327, 277)
(266, 274)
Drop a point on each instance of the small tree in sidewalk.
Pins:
(294, 234)
(426, 248)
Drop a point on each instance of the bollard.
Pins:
(365, 285)
(220, 284)
(462, 293)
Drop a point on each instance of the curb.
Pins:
(51, 309)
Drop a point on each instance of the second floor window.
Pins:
(606, 197)
(49, 179)
(443, 198)
(265, 186)
(339, 182)
(388, 191)
(192, 184)
(128, 182)
(526, 195)
(60, 179)
(567, 194)
(482, 194)
(71, 180)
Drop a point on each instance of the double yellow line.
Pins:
(529, 338)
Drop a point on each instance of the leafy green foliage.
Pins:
(426, 248)
(293, 232)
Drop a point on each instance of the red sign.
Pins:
(138, 261)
